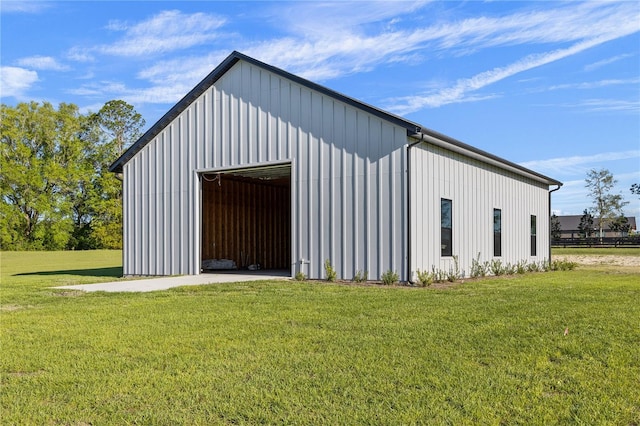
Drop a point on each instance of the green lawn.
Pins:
(485, 352)
(596, 251)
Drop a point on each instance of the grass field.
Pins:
(597, 251)
(492, 351)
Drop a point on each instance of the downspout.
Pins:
(409, 146)
(553, 190)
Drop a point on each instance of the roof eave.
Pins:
(446, 142)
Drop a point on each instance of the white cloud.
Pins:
(9, 6)
(80, 54)
(322, 47)
(578, 164)
(42, 63)
(156, 94)
(607, 61)
(322, 42)
(14, 81)
(165, 32)
(330, 40)
(92, 108)
(117, 25)
(594, 84)
(315, 18)
(460, 90)
(187, 70)
(618, 105)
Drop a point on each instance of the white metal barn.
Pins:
(257, 165)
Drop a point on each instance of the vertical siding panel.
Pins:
(341, 211)
(327, 190)
(306, 187)
(136, 225)
(127, 236)
(273, 147)
(363, 140)
(477, 189)
(263, 120)
(153, 211)
(350, 198)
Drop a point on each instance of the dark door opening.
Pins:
(246, 219)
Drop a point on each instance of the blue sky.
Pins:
(554, 86)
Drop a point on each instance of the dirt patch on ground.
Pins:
(612, 260)
(11, 308)
(69, 293)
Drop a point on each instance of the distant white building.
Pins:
(257, 165)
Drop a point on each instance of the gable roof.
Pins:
(217, 73)
(414, 130)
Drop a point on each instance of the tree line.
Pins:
(57, 191)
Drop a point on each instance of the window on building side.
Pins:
(446, 221)
(497, 232)
(534, 242)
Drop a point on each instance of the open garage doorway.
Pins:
(246, 220)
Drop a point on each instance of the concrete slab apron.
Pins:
(164, 283)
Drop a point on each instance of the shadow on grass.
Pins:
(115, 272)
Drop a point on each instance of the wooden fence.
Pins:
(629, 241)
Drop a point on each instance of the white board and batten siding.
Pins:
(475, 189)
(348, 176)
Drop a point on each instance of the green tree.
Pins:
(621, 224)
(40, 153)
(121, 125)
(98, 197)
(57, 191)
(635, 189)
(556, 229)
(585, 227)
(606, 206)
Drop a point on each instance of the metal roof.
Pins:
(414, 130)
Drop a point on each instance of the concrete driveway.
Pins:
(163, 283)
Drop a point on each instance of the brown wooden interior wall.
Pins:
(251, 218)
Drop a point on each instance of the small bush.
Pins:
(454, 271)
(424, 278)
(496, 267)
(509, 269)
(300, 276)
(438, 275)
(521, 267)
(544, 266)
(329, 271)
(360, 276)
(452, 275)
(478, 269)
(563, 265)
(390, 277)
